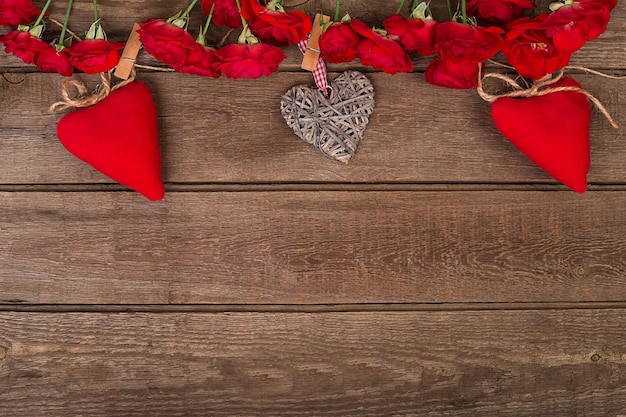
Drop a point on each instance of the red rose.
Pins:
(498, 12)
(572, 25)
(23, 45)
(94, 56)
(415, 35)
(33, 50)
(249, 61)
(465, 44)
(452, 75)
(338, 43)
(204, 63)
(52, 61)
(167, 43)
(608, 3)
(380, 52)
(250, 9)
(279, 28)
(531, 51)
(225, 13)
(17, 12)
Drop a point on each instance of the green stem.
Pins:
(181, 19)
(464, 11)
(243, 21)
(42, 14)
(205, 29)
(95, 10)
(208, 20)
(400, 7)
(193, 3)
(67, 19)
(535, 10)
(449, 9)
(337, 5)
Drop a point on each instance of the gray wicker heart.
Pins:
(334, 125)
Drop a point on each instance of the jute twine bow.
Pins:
(541, 87)
(84, 97)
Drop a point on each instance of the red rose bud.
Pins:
(415, 35)
(338, 43)
(94, 56)
(175, 47)
(380, 52)
(17, 12)
(498, 12)
(249, 61)
(452, 75)
(574, 23)
(465, 44)
(530, 50)
(203, 61)
(52, 60)
(23, 45)
(279, 28)
(225, 13)
(167, 43)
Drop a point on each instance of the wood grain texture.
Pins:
(523, 288)
(499, 363)
(418, 133)
(312, 247)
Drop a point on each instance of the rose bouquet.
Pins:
(347, 39)
(264, 29)
(535, 44)
(92, 55)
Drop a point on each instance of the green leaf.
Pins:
(421, 11)
(95, 31)
(36, 31)
(63, 43)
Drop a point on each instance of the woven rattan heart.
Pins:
(334, 125)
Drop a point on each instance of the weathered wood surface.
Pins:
(232, 131)
(499, 363)
(439, 273)
(312, 247)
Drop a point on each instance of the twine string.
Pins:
(84, 98)
(540, 88)
(153, 68)
(59, 24)
(594, 72)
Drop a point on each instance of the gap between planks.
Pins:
(312, 187)
(16, 307)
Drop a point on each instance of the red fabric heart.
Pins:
(119, 137)
(551, 130)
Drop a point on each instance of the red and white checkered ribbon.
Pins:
(319, 73)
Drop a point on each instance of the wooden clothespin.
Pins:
(129, 55)
(312, 53)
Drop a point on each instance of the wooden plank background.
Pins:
(439, 273)
(335, 364)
